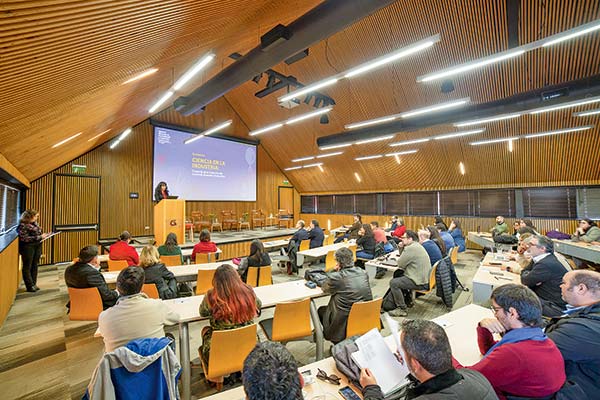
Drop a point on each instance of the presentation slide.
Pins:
(207, 169)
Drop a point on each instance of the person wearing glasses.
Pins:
(524, 363)
(413, 274)
(544, 275)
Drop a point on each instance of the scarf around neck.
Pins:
(519, 335)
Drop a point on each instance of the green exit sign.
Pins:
(78, 169)
(286, 182)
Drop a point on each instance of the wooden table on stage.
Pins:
(490, 276)
(188, 310)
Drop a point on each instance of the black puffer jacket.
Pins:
(444, 285)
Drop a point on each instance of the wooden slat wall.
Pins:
(128, 168)
(10, 277)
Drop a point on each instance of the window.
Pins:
(325, 204)
(308, 204)
(588, 203)
(395, 204)
(457, 203)
(366, 203)
(558, 202)
(492, 203)
(422, 203)
(344, 204)
(9, 208)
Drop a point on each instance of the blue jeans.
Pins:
(364, 254)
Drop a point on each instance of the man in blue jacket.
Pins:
(577, 333)
(315, 234)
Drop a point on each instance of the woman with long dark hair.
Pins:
(30, 247)
(366, 240)
(437, 239)
(587, 231)
(161, 191)
(258, 258)
(229, 304)
(204, 246)
(171, 247)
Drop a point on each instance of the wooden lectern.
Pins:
(169, 216)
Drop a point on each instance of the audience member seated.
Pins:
(204, 246)
(457, 234)
(435, 237)
(301, 233)
(521, 256)
(446, 237)
(587, 231)
(524, 363)
(433, 250)
(577, 333)
(229, 304)
(258, 258)
(135, 316)
(352, 232)
(366, 241)
(347, 285)
(85, 273)
(399, 231)
(380, 237)
(527, 223)
(315, 234)
(121, 250)
(171, 248)
(516, 226)
(271, 373)
(438, 220)
(393, 224)
(428, 356)
(544, 275)
(500, 226)
(413, 274)
(157, 273)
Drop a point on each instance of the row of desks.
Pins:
(460, 326)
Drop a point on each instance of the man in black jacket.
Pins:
(85, 273)
(428, 357)
(315, 234)
(544, 275)
(577, 333)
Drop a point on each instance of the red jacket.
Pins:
(203, 247)
(399, 231)
(530, 368)
(123, 251)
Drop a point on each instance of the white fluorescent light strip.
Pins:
(335, 146)
(461, 166)
(292, 168)
(303, 159)
(368, 66)
(312, 165)
(482, 62)
(586, 113)
(357, 176)
(141, 76)
(370, 122)
(396, 55)
(193, 71)
(66, 140)
(568, 104)
(160, 102)
(572, 33)
(368, 157)
(308, 89)
(378, 139)
(435, 107)
(266, 129)
(494, 141)
(321, 168)
(410, 142)
(400, 153)
(121, 137)
(307, 115)
(458, 134)
(558, 132)
(337, 153)
(98, 135)
(208, 132)
(486, 120)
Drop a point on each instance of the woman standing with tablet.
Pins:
(30, 247)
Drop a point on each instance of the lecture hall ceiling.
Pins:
(63, 63)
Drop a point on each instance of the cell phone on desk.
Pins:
(347, 393)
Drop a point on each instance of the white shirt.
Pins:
(134, 317)
(540, 257)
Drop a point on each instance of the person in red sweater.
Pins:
(525, 362)
(399, 230)
(121, 250)
(204, 245)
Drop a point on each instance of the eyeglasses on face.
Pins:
(322, 375)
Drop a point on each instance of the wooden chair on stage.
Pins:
(258, 219)
(284, 218)
(199, 221)
(228, 219)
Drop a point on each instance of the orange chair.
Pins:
(151, 290)
(117, 265)
(228, 350)
(431, 279)
(304, 245)
(363, 317)
(204, 280)
(259, 276)
(205, 258)
(86, 304)
(454, 255)
(171, 261)
(330, 262)
(353, 249)
(290, 321)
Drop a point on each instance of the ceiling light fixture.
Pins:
(307, 115)
(321, 168)
(487, 119)
(203, 62)
(122, 136)
(435, 107)
(292, 168)
(458, 134)
(401, 153)
(265, 129)
(98, 135)
(494, 141)
(312, 165)
(160, 102)
(560, 131)
(335, 146)
(510, 146)
(461, 167)
(397, 157)
(337, 153)
(572, 33)
(303, 159)
(362, 68)
(357, 176)
(586, 113)
(568, 104)
(142, 75)
(377, 139)
(208, 132)
(410, 142)
(368, 157)
(66, 140)
(375, 121)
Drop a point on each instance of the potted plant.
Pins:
(212, 218)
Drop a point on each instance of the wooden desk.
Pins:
(319, 252)
(484, 281)
(482, 239)
(341, 229)
(372, 265)
(582, 250)
(183, 273)
(188, 309)
(275, 244)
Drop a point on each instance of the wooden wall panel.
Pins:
(76, 200)
(10, 277)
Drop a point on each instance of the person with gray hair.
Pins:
(271, 373)
(577, 333)
(347, 285)
(428, 356)
(544, 275)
